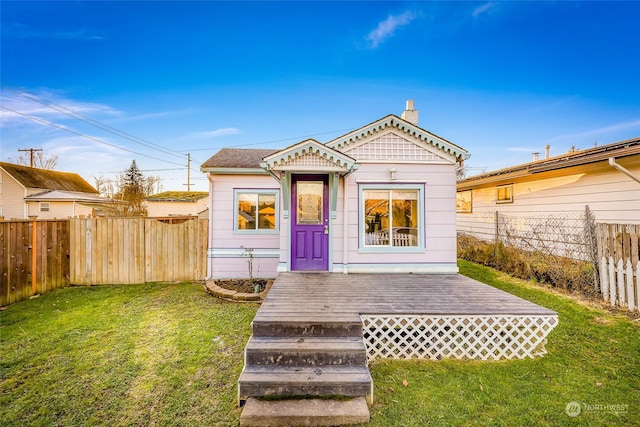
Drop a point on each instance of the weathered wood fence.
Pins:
(619, 267)
(132, 250)
(34, 258)
(39, 256)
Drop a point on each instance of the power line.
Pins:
(88, 120)
(277, 140)
(66, 129)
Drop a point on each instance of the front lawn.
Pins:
(169, 354)
(150, 354)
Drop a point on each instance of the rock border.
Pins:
(229, 295)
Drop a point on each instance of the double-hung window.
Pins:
(44, 207)
(256, 210)
(391, 216)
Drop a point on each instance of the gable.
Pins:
(309, 155)
(394, 147)
(398, 126)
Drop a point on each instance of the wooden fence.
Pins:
(132, 250)
(34, 258)
(39, 256)
(619, 264)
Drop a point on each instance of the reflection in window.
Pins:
(504, 194)
(256, 211)
(391, 217)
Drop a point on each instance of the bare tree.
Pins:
(40, 160)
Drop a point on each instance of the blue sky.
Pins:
(501, 79)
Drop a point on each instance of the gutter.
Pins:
(612, 162)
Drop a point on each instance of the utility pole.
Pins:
(30, 150)
(188, 184)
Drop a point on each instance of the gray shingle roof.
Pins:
(248, 158)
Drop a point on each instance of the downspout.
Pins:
(612, 162)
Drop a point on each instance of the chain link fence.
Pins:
(559, 249)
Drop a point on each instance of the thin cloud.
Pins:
(387, 28)
(19, 105)
(483, 9)
(600, 132)
(21, 31)
(216, 133)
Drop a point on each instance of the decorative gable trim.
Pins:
(391, 147)
(392, 121)
(309, 155)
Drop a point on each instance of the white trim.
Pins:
(243, 253)
(436, 268)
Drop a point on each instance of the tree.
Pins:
(40, 160)
(129, 200)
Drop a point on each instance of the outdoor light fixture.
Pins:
(392, 172)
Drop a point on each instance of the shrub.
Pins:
(561, 272)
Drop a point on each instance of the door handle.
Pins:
(326, 229)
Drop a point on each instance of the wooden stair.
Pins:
(291, 362)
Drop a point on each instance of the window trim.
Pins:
(257, 191)
(363, 247)
(504, 201)
(461, 210)
(44, 207)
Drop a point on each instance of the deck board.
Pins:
(330, 296)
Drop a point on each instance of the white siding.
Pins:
(163, 209)
(611, 196)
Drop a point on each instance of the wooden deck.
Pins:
(318, 297)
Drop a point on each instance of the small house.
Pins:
(177, 204)
(379, 199)
(27, 192)
(605, 178)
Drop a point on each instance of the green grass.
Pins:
(169, 354)
(594, 358)
(152, 354)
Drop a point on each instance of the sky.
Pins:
(99, 84)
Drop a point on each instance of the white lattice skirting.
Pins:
(481, 337)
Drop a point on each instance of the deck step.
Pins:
(304, 412)
(259, 381)
(305, 328)
(310, 351)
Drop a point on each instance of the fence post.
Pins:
(612, 281)
(604, 283)
(590, 225)
(631, 299)
(34, 257)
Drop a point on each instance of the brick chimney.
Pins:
(409, 114)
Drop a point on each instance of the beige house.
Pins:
(605, 178)
(27, 192)
(178, 203)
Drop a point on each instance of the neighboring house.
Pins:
(378, 199)
(27, 192)
(605, 178)
(177, 203)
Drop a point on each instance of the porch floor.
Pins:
(319, 297)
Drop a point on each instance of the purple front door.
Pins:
(310, 223)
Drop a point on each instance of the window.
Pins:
(391, 217)
(464, 201)
(44, 206)
(256, 210)
(504, 194)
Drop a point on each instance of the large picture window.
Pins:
(391, 217)
(256, 210)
